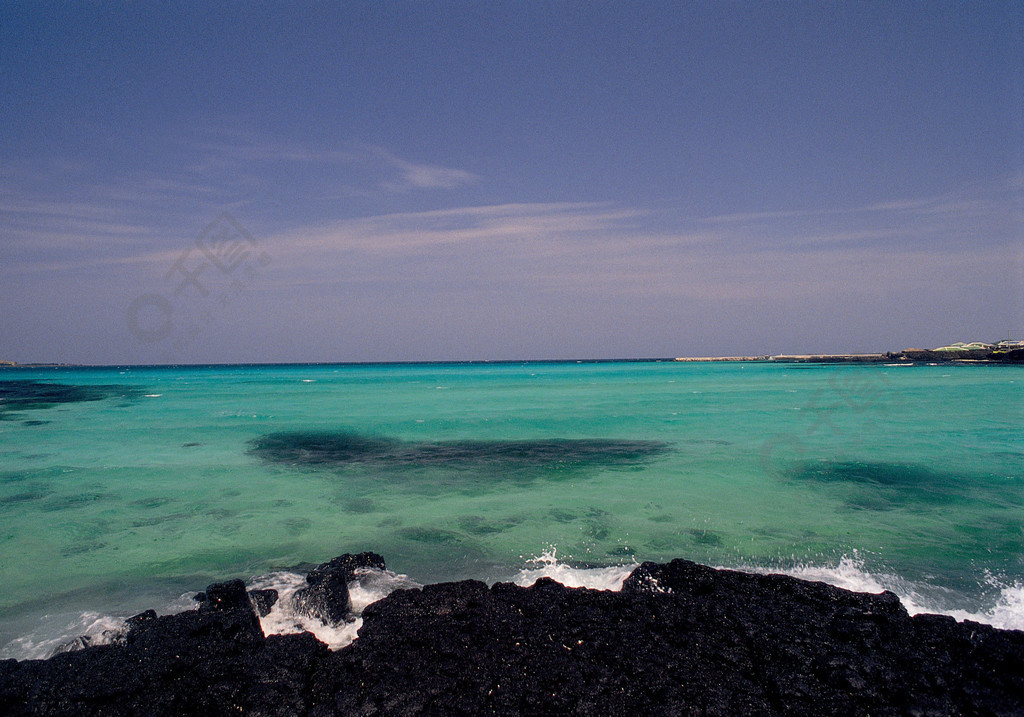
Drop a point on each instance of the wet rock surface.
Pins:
(680, 638)
(326, 597)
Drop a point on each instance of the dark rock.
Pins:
(230, 595)
(79, 643)
(327, 597)
(347, 564)
(679, 639)
(141, 618)
(327, 600)
(263, 600)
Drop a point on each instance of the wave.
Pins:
(1005, 611)
(1004, 608)
(65, 632)
(369, 586)
(547, 565)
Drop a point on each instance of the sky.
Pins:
(425, 181)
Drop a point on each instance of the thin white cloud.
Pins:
(394, 173)
(424, 176)
(998, 198)
(593, 248)
(469, 228)
(605, 249)
(749, 217)
(255, 150)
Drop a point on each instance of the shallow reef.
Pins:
(28, 395)
(326, 449)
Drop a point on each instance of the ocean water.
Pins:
(129, 488)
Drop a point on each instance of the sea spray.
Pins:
(1005, 610)
(369, 586)
(547, 565)
(65, 635)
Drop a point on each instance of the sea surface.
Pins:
(127, 488)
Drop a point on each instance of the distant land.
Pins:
(1006, 351)
(976, 351)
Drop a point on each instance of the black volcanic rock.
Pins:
(1009, 356)
(680, 638)
(345, 565)
(263, 601)
(224, 597)
(228, 596)
(327, 597)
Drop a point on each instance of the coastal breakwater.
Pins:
(678, 638)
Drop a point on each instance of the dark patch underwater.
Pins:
(341, 449)
(879, 486)
(870, 473)
(27, 395)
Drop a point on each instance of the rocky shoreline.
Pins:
(679, 638)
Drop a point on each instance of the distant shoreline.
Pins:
(907, 356)
(997, 354)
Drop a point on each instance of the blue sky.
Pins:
(430, 181)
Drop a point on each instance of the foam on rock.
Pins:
(679, 638)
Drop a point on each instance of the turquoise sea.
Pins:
(125, 488)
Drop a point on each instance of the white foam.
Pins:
(64, 631)
(850, 573)
(546, 565)
(62, 635)
(1004, 609)
(1006, 612)
(369, 586)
